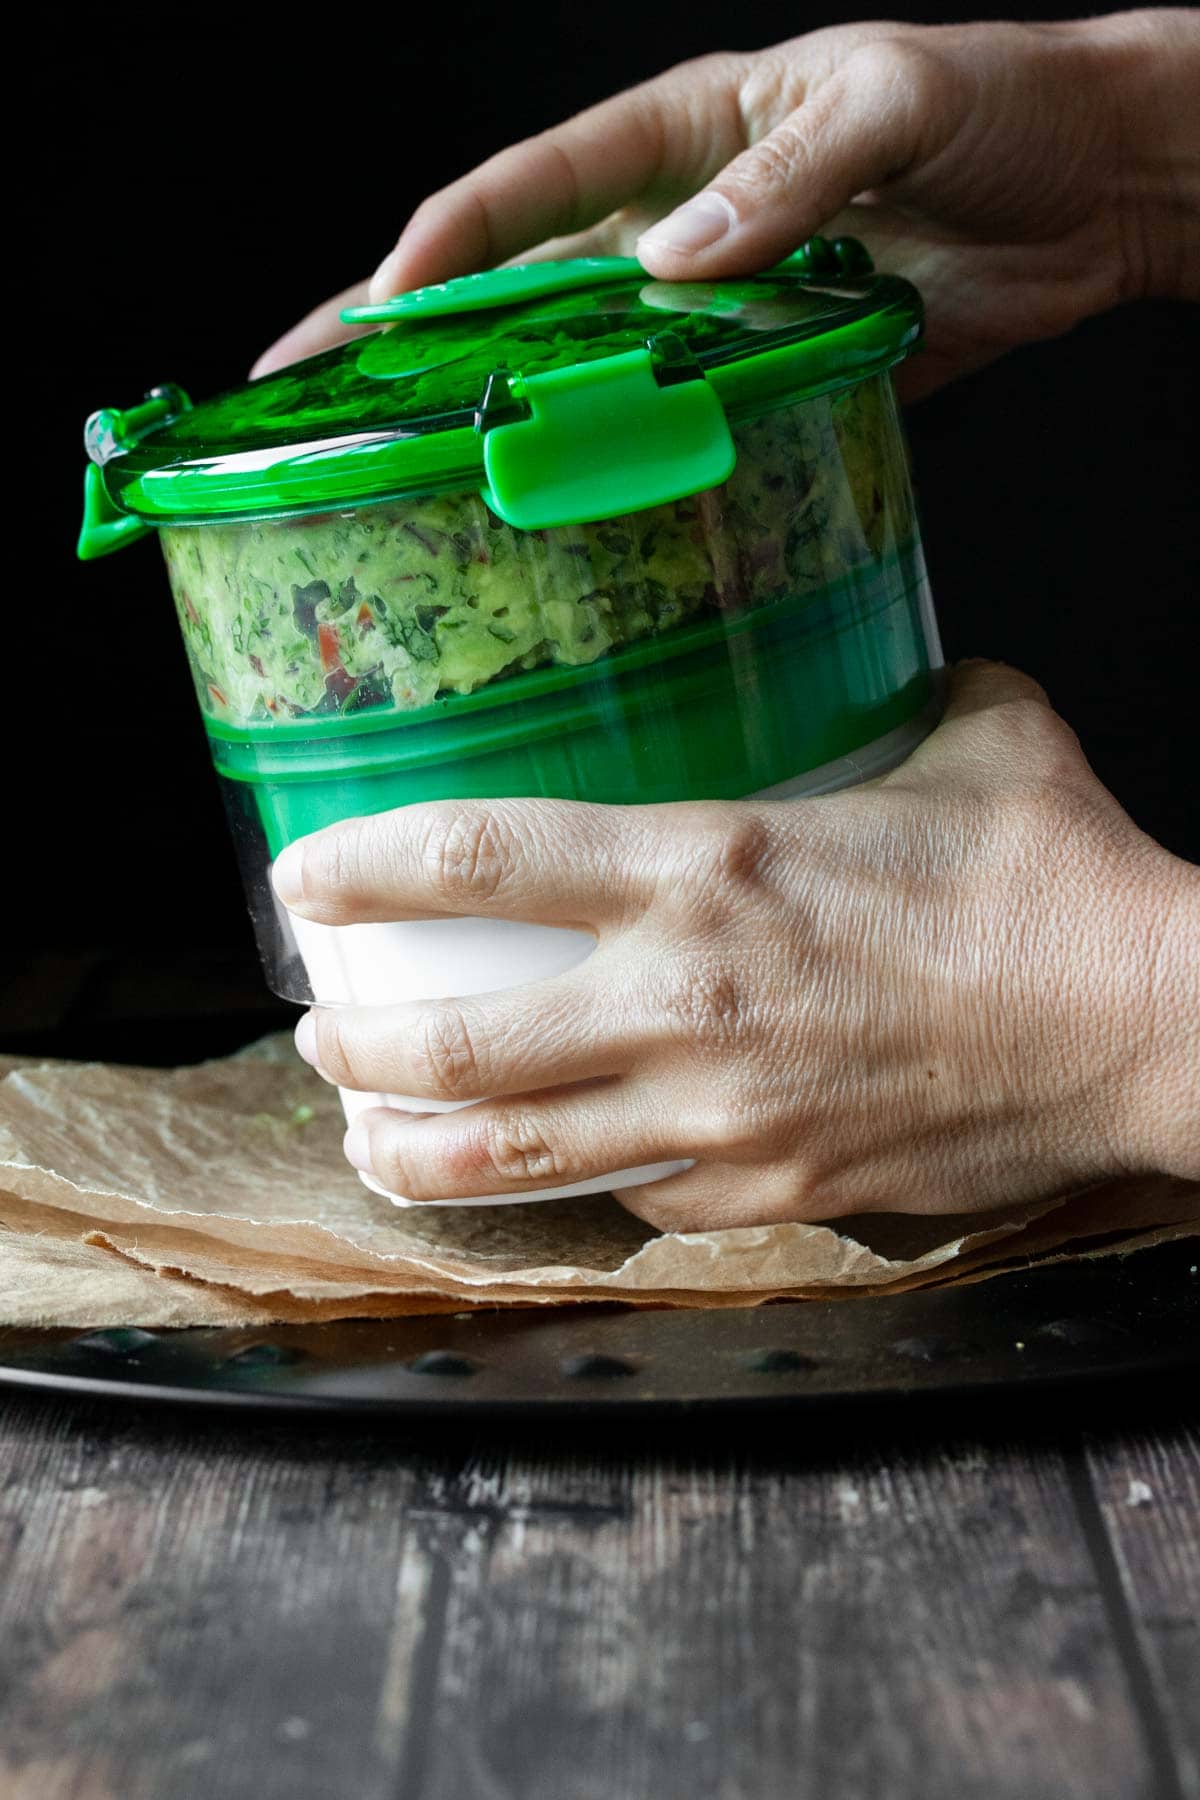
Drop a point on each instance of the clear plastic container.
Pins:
(770, 634)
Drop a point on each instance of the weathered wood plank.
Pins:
(193, 1609)
(207, 1613)
(915, 1624)
(1148, 1488)
(220, 1610)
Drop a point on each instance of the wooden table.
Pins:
(209, 1606)
(988, 1601)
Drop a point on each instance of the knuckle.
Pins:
(330, 868)
(572, 211)
(468, 855)
(390, 1168)
(705, 1007)
(739, 851)
(1044, 732)
(907, 70)
(446, 1062)
(1033, 749)
(334, 1052)
(990, 682)
(515, 1149)
(722, 863)
(791, 1189)
(771, 83)
(810, 1192)
(768, 171)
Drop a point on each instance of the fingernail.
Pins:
(692, 227)
(306, 1039)
(357, 1147)
(287, 875)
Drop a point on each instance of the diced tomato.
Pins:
(331, 655)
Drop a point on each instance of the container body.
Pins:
(771, 636)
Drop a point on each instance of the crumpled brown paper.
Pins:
(218, 1194)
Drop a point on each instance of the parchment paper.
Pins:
(217, 1194)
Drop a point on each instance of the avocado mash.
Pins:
(395, 603)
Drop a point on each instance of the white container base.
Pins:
(599, 1184)
(432, 959)
(427, 959)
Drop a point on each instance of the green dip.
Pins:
(395, 603)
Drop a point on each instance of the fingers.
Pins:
(542, 861)
(717, 1196)
(826, 118)
(884, 104)
(321, 329)
(513, 1041)
(551, 1139)
(777, 144)
(672, 132)
(708, 1197)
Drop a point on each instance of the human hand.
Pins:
(971, 981)
(1024, 176)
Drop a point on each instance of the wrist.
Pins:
(1145, 70)
(1156, 1092)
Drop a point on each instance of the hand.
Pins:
(969, 982)
(1024, 176)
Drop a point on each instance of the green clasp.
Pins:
(105, 527)
(107, 433)
(602, 438)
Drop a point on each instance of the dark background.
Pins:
(197, 192)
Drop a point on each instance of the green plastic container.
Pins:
(557, 530)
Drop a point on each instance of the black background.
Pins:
(197, 190)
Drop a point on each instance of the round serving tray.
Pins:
(1109, 1319)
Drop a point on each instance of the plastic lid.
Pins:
(563, 391)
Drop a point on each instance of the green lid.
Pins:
(563, 391)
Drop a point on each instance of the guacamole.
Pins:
(394, 604)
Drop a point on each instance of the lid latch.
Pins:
(602, 438)
(107, 433)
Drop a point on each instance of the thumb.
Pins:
(887, 106)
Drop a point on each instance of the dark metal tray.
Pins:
(1116, 1318)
